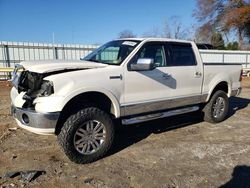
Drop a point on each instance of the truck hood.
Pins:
(50, 66)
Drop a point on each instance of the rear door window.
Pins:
(181, 55)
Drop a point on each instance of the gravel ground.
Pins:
(181, 151)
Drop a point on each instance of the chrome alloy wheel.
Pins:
(219, 107)
(89, 137)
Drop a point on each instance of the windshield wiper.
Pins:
(97, 61)
(93, 60)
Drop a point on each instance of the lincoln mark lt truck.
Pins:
(130, 80)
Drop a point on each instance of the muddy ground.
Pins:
(180, 151)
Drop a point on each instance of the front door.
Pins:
(147, 91)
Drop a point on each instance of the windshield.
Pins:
(113, 52)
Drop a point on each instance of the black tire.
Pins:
(209, 110)
(66, 137)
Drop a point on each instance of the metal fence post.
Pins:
(55, 52)
(246, 61)
(7, 59)
(7, 55)
(63, 52)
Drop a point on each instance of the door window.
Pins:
(152, 51)
(181, 55)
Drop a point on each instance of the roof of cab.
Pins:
(156, 39)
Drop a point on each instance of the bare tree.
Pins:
(177, 27)
(154, 32)
(190, 32)
(176, 30)
(171, 28)
(126, 34)
(166, 31)
(204, 33)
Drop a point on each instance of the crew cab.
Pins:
(131, 80)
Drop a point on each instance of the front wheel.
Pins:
(87, 135)
(216, 109)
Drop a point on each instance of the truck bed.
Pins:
(226, 56)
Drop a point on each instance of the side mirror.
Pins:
(143, 64)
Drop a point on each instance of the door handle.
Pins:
(167, 76)
(198, 74)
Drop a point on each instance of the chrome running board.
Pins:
(169, 113)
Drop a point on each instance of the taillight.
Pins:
(241, 75)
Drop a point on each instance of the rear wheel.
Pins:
(216, 109)
(87, 135)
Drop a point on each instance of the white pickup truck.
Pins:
(132, 80)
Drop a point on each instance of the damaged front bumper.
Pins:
(39, 123)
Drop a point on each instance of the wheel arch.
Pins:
(220, 85)
(106, 101)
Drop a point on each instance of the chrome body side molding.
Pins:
(169, 113)
(152, 106)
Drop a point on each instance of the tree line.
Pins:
(223, 23)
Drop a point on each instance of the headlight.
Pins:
(46, 88)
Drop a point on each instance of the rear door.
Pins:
(187, 73)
